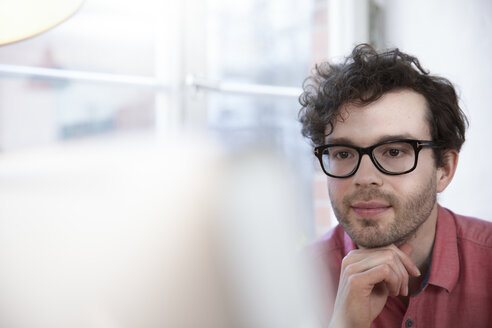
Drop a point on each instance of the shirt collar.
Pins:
(445, 267)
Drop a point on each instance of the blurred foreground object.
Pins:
(146, 234)
(22, 19)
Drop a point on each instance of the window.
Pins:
(231, 68)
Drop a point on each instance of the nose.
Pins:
(367, 174)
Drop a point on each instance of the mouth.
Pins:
(370, 209)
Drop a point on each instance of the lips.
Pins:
(370, 209)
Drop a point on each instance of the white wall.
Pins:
(453, 38)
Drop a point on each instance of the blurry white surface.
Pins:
(94, 235)
(262, 243)
(142, 234)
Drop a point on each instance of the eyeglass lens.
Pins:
(396, 157)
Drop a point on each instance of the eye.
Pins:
(342, 155)
(394, 152)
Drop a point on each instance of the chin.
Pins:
(374, 237)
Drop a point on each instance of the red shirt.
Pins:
(457, 291)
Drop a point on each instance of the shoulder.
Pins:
(473, 230)
(329, 246)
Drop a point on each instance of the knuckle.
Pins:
(350, 269)
(392, 247)
(390, 256)
(352, 281)
(386, 269)
(347, 260)
(352, 252)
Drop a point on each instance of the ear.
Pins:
(446, 172)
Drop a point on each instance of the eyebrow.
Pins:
(348, 141)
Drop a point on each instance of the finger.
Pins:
(403, 277)
(382, 273)
(352, 257)
(359, 255)
(406, 248)
(380, 257)
(406, 260)
(404, 254)
(363, 260)
(391, 257)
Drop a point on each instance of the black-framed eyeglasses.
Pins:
(393, 157)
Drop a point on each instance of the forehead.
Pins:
(397, 113)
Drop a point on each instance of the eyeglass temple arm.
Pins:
(429, 144)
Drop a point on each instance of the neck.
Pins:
(422, 243)
(423, 240)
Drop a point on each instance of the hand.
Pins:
(367, 277)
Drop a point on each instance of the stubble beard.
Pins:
(410, 214)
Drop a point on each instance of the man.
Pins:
(398, 258)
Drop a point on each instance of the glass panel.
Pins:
(260, 41)
(103, 36)
(266, 42)
(107, 36)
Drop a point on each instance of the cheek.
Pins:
(337, 188)
(413, 183)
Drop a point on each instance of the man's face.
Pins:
(374, 208)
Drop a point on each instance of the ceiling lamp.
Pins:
(22, 19)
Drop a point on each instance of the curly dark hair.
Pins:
(363, 78)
